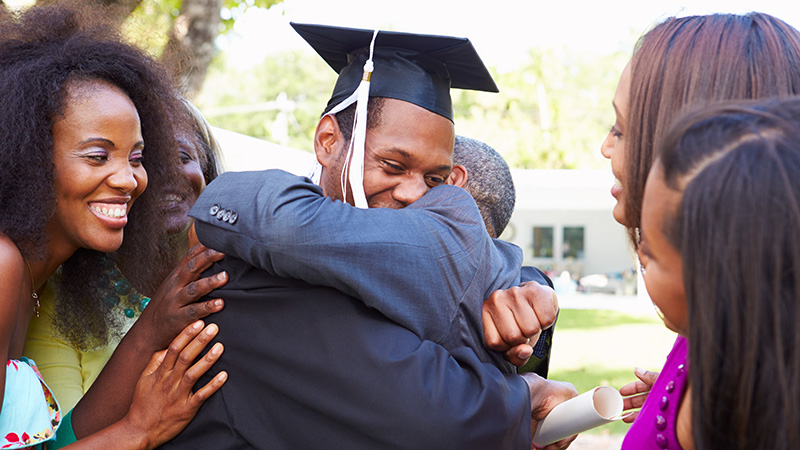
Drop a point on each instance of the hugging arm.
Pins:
(414, 265)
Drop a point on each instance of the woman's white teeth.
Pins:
(112, 212)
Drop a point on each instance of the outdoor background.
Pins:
(556, 64)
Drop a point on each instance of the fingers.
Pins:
(560, 445)
(509, 319)
(192, 375)
(629, 418)
(544, 301)
(198, 288)
(635, 387)
(198, 259)
(634, 402)
(179, 343)
(491, 336)
(192, 351)
(635, 393)
(519, 354)
(648, 377)
(189, 295)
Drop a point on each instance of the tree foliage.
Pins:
(551, 113)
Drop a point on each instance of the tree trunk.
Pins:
(191, 46)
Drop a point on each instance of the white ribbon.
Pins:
(353, 170)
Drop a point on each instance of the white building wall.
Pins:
(559, 198)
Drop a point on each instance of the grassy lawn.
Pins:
(599, 347)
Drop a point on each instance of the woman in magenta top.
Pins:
(721, 255)
(680, 64)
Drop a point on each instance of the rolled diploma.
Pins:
(591, 409)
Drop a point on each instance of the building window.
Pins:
(573, 243)
(542, 242)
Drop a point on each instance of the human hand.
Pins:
(545, 395)
(634, 394)
(174, 306)
(513, 318)
(163, 403)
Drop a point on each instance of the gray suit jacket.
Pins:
(313, 367)
(428, 267)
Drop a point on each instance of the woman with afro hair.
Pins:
(87, 127)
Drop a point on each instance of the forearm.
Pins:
(119, 435)
(408, 264)
(109, 398)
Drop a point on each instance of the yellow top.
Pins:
(67, 370)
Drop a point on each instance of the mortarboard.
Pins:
(416, 68)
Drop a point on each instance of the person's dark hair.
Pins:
(210, 151)
(42, 51)
(346, 117)
(692, 61)
(489, 182)
(737, 230)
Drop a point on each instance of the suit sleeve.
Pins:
(414, 265)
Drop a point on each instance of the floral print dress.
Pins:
(30, 414)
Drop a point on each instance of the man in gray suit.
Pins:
(320, 368)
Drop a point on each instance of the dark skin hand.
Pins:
(173, 307)
(546, 395)
(635, 393)
(515, 317)
(164, 402)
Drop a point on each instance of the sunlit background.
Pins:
(557, 65)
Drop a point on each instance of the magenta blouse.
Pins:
(654, 427)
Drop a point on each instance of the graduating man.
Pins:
(306, 325)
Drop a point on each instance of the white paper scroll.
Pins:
(591, 409)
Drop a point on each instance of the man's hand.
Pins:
(545, 395)
(636, 393)
(514, 318)
(174, 305)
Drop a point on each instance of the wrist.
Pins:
(537, 389)
(136, 436)
(139, 336)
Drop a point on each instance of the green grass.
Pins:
(586, 319)
(600, 347)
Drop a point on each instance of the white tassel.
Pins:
(354, 162)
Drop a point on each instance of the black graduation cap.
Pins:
(417, 68)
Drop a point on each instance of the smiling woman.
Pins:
(97, 149)
(87, 123)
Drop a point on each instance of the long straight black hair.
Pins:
(738, 230)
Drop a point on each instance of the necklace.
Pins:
(134, 302)
(34, 295)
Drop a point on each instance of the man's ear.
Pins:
(458, 177)
(327, 140)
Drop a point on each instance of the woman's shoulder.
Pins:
(9, 252)
(11, 265)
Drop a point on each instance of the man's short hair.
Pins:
(489, 182)
(346, 116)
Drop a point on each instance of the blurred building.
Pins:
(562, 221)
